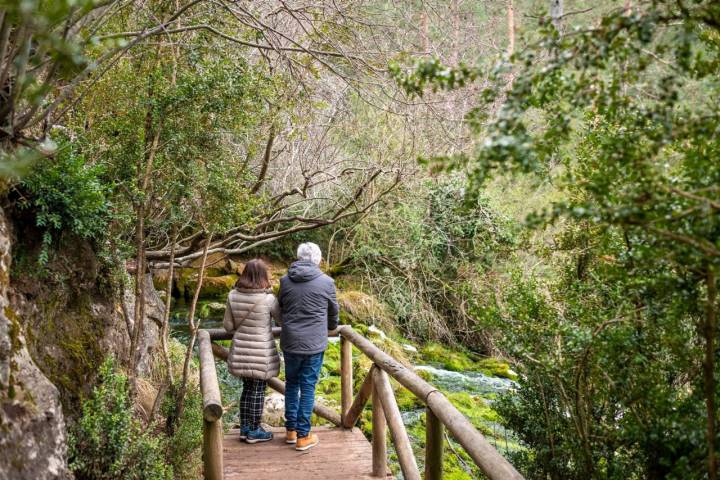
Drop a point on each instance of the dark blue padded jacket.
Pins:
(309, 308)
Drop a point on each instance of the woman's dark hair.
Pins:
(255, 276)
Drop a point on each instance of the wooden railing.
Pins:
(440, 412)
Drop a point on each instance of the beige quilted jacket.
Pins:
(249, 314)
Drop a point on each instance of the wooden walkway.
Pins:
(342, 454)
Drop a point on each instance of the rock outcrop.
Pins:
(56, 329)
(32, 425)
(154, 314)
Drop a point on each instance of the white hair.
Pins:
(309, 252)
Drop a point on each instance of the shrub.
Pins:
(67, 194)
(184, 448)
(107, 442)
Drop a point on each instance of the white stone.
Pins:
(373, 330)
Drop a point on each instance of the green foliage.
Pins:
(184, 448)
(432, 251)
(107, 443)
(67, 194)
(615, 350)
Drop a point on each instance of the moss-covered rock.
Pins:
(497, 368)
(454, 360)
(182, 278)
(459, 361)
(214, 287)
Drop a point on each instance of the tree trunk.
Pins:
(424, 32)
(556, 13)
(166, 318)
(709, 370)
(454, 49)
(139, 312)
(193, 326)
(511, 27)
(144, 173)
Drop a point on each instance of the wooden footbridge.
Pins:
(343, 452)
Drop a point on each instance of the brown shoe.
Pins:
(306, 443)
(291, 436)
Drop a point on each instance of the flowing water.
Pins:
(210, 311)
(474, 383)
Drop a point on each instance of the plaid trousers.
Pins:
(252, 402)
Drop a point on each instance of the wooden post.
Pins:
(379, 440)
(213, 450)
(406, 458)
(346, 377)
(361, 399)
(433, 446)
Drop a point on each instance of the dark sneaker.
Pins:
(243, 432)
(258, 435)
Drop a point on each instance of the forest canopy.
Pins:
(532, 180)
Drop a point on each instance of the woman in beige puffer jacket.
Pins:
(249, 312)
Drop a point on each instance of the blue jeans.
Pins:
(301, 376)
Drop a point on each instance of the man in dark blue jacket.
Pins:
(309, 309)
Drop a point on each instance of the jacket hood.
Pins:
(303, 271)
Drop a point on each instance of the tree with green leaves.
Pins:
(619, 352)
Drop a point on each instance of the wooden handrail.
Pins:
(440, 411)
(212, 406)
(279, 386)
(319, 409)
(489, 460)
(222, 334)
(212, 411)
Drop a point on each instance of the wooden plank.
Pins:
(342, 454)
